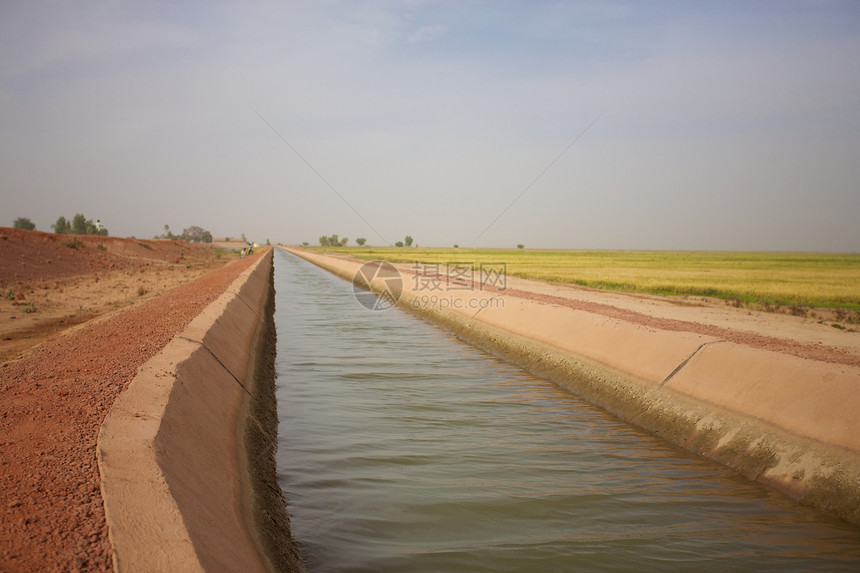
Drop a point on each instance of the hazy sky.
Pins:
(701, 125)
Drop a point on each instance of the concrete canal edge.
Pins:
(787, 422)
(186, 454)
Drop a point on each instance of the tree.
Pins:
(360, 241)
(398, 244)
(268, 242)
(521, 246)
(79, 224)
(196, 234)
(408, 240)
(305, 243)
(333, 241)
(456, 246)
(24, 223)
(61, 227)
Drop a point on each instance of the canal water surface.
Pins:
(404, 449)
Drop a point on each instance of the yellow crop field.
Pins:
(752, 279)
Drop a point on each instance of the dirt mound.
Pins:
(28, 256)
(51, 282)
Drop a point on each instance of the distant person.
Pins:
(243, 252)
(250, 250)
(98, 225)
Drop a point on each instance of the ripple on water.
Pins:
(403, 449)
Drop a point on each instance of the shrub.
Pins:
(797, 310)
(24, 223)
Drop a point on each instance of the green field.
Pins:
(755, 280)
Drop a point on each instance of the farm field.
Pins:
(765, 281)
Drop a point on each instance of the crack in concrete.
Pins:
(684, 363)
(218, 360)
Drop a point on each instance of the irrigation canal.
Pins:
(402, 448)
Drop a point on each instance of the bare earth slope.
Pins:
(54, 398)
(49, 282)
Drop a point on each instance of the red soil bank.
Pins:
(52, 403)
(27, 256)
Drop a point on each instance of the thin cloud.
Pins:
(428, 33)
(430, 117)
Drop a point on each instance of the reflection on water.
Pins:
(403, 449)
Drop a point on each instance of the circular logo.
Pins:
(377, 285)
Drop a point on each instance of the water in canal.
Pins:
(404, 449)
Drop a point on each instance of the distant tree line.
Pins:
(333, 241)
(79, 225)
(193, 234)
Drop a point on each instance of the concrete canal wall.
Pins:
(186, 454)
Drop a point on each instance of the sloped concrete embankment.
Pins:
(186, 454)
(785, 421)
